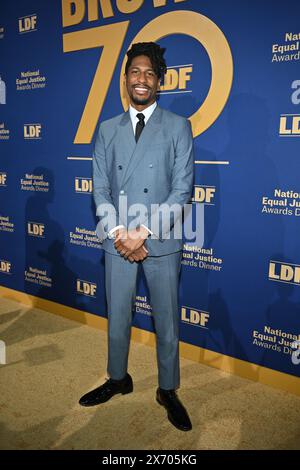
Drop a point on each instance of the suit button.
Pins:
(122, 192)
(120, 167)
(145, 190)
(150, 166)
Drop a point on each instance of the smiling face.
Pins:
(142, 82)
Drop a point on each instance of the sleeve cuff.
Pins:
(110, 234)
(151, 233)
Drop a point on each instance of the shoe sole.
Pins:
(124, 392)
(181, 428)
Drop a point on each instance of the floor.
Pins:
(52, 361)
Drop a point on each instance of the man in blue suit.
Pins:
(143, 164)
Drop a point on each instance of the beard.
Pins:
(138, 100)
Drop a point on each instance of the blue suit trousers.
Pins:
(162, 276)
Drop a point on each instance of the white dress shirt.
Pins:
(146, 112)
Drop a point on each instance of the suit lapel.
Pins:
(146, 138)
(126, 140)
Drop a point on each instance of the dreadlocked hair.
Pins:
(153, 51)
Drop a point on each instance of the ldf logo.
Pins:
(176, 79)
(35, 229)
(194, 317)
(5, 267)
(83, 185)
(289, 125)
(284, 272)
(204, 194)
(27, 24)
(3, 177)
(86, 288)
(32, 131)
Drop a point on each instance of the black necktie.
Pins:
(140, 125)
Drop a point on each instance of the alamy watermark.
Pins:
(2, 352)
(296, 354)
(166, 220)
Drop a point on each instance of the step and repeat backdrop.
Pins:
(234, 71)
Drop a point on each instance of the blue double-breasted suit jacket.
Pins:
(156, 172)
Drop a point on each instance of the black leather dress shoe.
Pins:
(106, 391)
(177, 414)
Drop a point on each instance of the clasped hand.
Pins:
(130, 243)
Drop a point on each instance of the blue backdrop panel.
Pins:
(240, 289)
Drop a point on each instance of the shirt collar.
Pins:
(146, 112)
